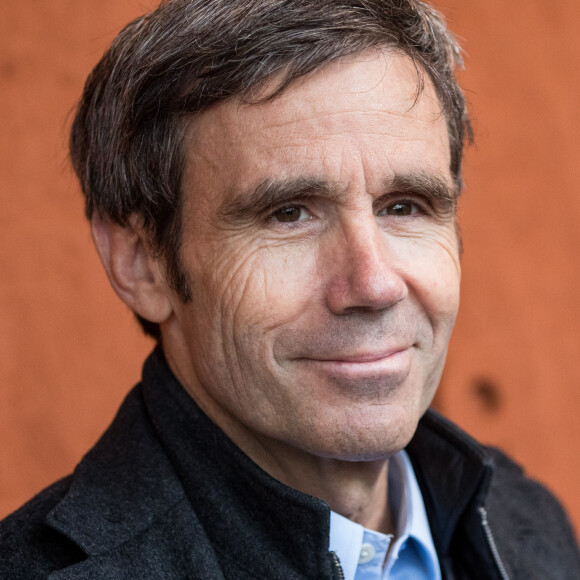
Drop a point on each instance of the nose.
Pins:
(364, 274)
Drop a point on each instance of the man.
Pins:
(272, 190)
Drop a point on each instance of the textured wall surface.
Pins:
(69, 351)
(513, 372)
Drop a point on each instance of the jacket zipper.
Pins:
(492, 545)
(338, 573)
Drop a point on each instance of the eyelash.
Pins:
(422, 207)
(297, 206)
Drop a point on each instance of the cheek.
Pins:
(263, 287)
(433, 273)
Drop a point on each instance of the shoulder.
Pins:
(476, 496)
(509, 475)
(497, 480)
(29, 548)
(514, 495)
(532, 525)
(120, 487)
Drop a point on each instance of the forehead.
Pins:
(357, 118)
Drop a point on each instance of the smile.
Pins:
(391, 363)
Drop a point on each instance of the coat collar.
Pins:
(171, 458)
(453, 471)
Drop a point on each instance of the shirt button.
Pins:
(367, 553)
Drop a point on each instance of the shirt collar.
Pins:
(346, 536)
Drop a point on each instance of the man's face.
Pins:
(320, 242)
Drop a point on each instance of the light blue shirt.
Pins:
(363, 553)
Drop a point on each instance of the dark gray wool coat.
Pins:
(166, 495)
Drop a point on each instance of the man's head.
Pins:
(285, 212)
(129, 138)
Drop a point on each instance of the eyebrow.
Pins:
(272, 193)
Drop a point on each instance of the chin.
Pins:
(366, 435)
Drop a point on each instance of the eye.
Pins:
(290, 214)
(401, 208)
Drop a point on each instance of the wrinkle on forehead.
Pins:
(337, 79)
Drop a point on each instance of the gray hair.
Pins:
(127, 140)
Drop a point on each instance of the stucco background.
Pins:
(69, 350)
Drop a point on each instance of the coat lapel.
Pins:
(127, 510)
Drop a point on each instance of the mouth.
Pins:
(391, 363)
(364, 357)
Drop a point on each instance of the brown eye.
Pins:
(289, 214)
(400, 209)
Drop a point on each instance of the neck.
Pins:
(357, 490)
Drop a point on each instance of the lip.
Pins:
(362, 358)
(388, 363)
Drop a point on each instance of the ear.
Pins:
(135, 274)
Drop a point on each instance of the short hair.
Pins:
(127, 140)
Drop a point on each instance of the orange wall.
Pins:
(70, 351)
